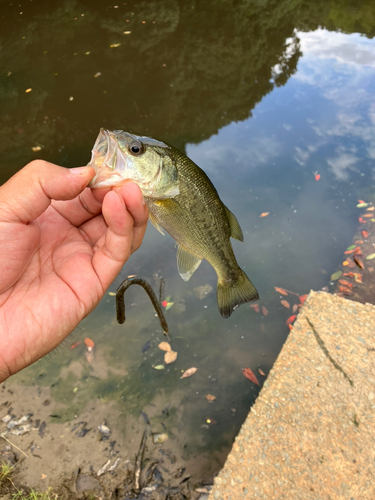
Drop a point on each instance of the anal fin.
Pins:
(187, 263)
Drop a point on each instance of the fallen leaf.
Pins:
(264, 214)
(362, 204)
(361, 201)
(210, 397)
(165, 346)
(249, 374)
(345, 263)
(364, 234)
(346, 283)
(281, 290)
(76, 344)
(211, 421)
(367, 215)
(347, 252)
(285, 303)
(290, 320)
(317, 177)
(127, 32)
(370, 209)
(361, 220)
(43, 476)
(97, 74)
(89, 356)
(264, 311)
(112, 294)
(89, 343)
(255, 307)
(28, 90)
(164, 303)
(159, 367)
(302, 298)
(358, 277)
(113, 45)
(189, 372)
(335, 276)
(261, 372)
(38, 148)
(358, 251)
(371, 256)
(169, 305)
(170, 357)
(295, 307)
(351, 263)
(352, 247)
(358, 242)
(358, 261)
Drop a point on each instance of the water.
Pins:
(263, 96)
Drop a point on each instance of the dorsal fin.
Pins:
(235, 229)
(187, 263)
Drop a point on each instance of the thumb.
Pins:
(27, 194)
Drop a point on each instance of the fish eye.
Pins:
(136, 148)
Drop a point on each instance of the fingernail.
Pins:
(77, 170)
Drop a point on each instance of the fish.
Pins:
(181, 200)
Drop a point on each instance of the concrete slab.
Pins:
(311, 433)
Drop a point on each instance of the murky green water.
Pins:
(263, 95)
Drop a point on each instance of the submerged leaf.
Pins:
(264, 311)
(112, 294)
(264, 214)
(352, 247)
(210, 397)
(364, 234)
(281, 290)
(89, 343)
(170, 357)
(159, 367)
(302, 298)
(255, 307)
(249, 374)
(335, 276)
(73, 346)
(285, 303)
(169, 305)
(371, 256)
(165, 346)
(189, 372)
(358, 261)
(362, 204)
(290, 320)
(295, 307)
(261, 372)
(317, 177)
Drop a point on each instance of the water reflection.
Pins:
(261, 110)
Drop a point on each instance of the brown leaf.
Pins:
(358, 261)
(367, 215)
(285, 303)
(189, 372)
(255, 307)
(249, 374)
(210, 397)
(281, 290)
(261, 372)
(165, 346)
(295, 307)
(170, 357)
(264, 311)
(89, 343)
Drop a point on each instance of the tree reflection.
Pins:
(185, 70)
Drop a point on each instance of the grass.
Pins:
(14, 492)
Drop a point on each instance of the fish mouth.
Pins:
(107, 159)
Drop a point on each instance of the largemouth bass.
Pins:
(182, 200)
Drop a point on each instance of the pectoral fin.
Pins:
(155, 223)
(187, 263)
(235, 229)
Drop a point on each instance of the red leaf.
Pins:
(264, 311)
(281, 290)
(317, 177)
(255, 307)
(346, 283)
(285, 303)
(164, 303)
(291, 319)
(250, 375)
(302, 298)
(89, 342)
(73, 346)
(365, 234)
(361, 201)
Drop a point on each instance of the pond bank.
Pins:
(311, 432)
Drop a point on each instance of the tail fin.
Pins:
(232, 293)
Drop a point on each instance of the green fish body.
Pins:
(182, 200)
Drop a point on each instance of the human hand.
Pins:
(61, 246)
